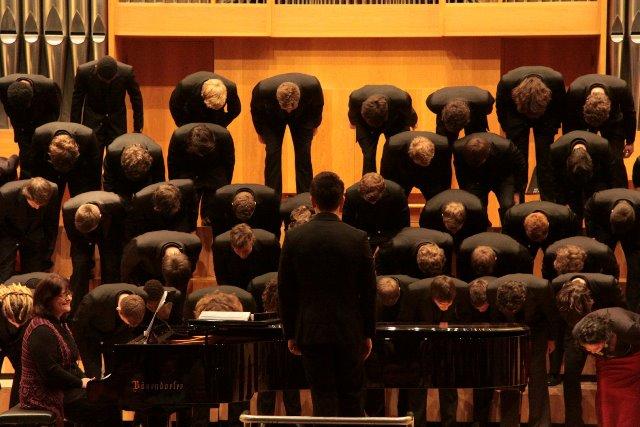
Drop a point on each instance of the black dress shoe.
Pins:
(553, 379)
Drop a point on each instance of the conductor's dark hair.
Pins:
(327, 189)
(19, 95)
(201, 141)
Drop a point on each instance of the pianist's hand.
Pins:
(551, 346)
(368, 345)
(85, 380)
(293, 348)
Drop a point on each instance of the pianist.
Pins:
(613, 336)
(51, 378)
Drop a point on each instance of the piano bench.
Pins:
(17, 416)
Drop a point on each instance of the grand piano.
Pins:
(204, 363)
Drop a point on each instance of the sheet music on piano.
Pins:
(240, 316)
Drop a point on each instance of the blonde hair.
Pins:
(87, 218)
(16, 302)
(421, 151)
(214, 93)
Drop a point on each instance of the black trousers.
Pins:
(267, 402)
(83, 262)
(615, 136)
(574, 360)
(504, 191)
(302, 138)
(78, 409)
(632, 255)
(543, 139)
(336, 377)
(32, 255)
(415, 400)
(24, 145)
(539, 408)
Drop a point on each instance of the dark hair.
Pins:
(531, 96)
(511, 296)
(580, 166)
(327, 190)
(375, 110)
(136, 161)
(154, 290)
(622, 217)
(200, 141)
(176, 270)
(107, 67)
(166, 199)
(593, 329)
(456, 115)
(443, 288)
(270, 300)
(596, 109)
(47, 290)
(19, 95)
(478, 292)
(573, 301)
(476, 151)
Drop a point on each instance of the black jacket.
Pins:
(622, 118)
(30, 280)
(101, 106)
(209, 172)
(480, 104)
(113, 175)
(603, 164)
(389, 314)
(142, 218)
(598, 210)
(248, 303)
(401, 115)
(266, 215)
(230, 269)
(326, 283)
(505, 163)
(512, 257)
(382, 220)
(112, 211)
(85, 174)
(187, 105)
(20, 221)
(510, 119)
(418, 306)
(45, 106)
(563, 223)
(398, 255)
(600, 258)
(397, 166)
(539, 311)
(142, 256)
(265, 109)
(476, 220)
(97, 320)
(605, 290)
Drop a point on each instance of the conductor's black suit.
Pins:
(327, 290)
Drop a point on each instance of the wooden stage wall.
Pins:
(418, 65)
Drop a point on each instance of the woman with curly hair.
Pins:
(613, 336)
